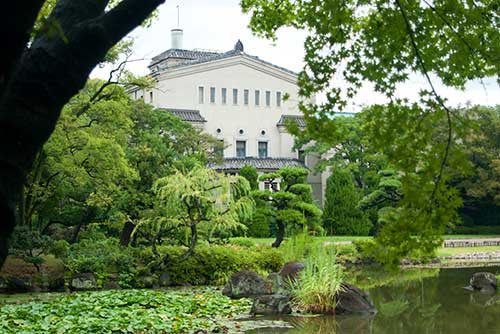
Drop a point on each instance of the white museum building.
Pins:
(237, 98)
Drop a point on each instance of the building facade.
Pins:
(237, 98)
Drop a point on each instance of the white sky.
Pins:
(218, 24)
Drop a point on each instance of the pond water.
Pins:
(419, 301)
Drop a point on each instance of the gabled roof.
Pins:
(263, 164)
(187, 115)
(192, 57)
(286, 119)
(182, 54)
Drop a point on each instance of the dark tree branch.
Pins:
(16, 25)
(437, 97)
(47, 75)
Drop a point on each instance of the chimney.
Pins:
(176, 38)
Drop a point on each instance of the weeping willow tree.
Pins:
(200, 196)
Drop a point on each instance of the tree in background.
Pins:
(159, 145)
(39, 76)
(351, 43)
(384, 199)
(200, 196)
(250, 173)
(80, 171)
(480, 189)
(341, 215)
(291, 206)
(262, 219)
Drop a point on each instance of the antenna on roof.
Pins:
(177, 33)
(178, 17)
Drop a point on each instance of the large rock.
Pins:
(271, 304)
(351, 300)
(244, 284)
(484, 282)
(84, 281)
(291, 270)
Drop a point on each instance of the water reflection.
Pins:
(415, 302)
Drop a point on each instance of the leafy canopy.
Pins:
(354, 42)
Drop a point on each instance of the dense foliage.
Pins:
(124, 311)
(291, 205)
(351, 43)
(341, 214)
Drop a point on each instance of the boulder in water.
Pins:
(484, 282)
(351, 300)
(244, 284)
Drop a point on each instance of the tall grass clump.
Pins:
(300, 246)
(320, 281)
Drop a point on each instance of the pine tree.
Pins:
(341, 215)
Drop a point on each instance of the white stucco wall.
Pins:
(178, 88)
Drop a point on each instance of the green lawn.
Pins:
(449, 251)
(354, 238)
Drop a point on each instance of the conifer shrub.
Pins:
(341, 215)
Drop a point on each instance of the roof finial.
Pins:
(239, 46)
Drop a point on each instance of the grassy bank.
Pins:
(341, 238)
(124, 311)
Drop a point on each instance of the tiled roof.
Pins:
(259, 163)
(285, 119)
(197, 57)
(187, 115)
(182, 54)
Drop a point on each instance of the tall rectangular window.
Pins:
(235, 96)
(245, 97)
(150, 97)
(278, 99)
(201, 95)
(219, 149)
(257, 97)
(212, 94)
(263, 149)
(241, 148)
(268, 98)
(224, 95)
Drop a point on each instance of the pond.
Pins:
(418, 301)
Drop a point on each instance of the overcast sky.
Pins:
(218, 24)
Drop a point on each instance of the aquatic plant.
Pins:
(125, 311)
(316, 289)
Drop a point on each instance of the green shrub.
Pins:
(341, 215)
(269, 259)
(102, 258)
(366, 249)
(215, 264)
(242, 242)
(259, 226)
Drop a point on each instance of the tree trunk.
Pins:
(126, 234)
(37, 80)
(280, 235)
